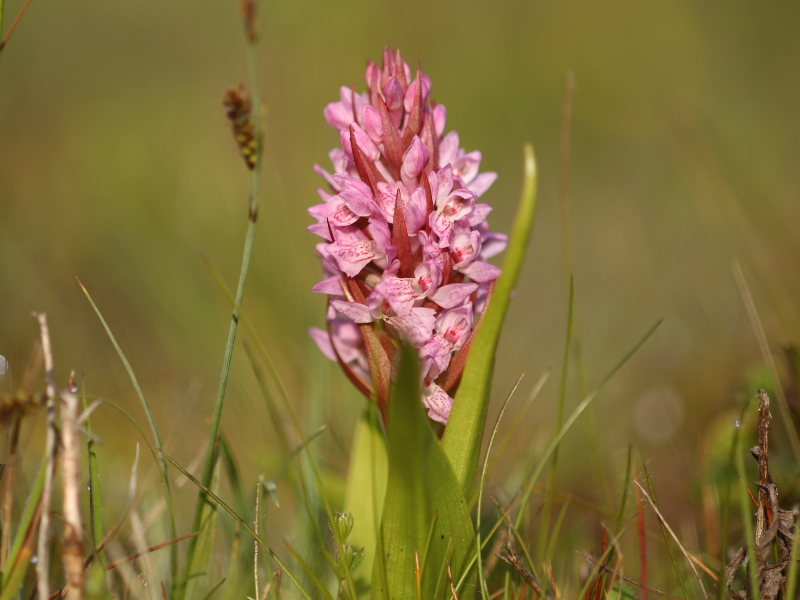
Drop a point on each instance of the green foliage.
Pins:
(196, 576)
(464, 434)
(366, 486)
(422, 488)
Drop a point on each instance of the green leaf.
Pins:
(421, 487)
(197, 573)
(464, 434)
(366, 486)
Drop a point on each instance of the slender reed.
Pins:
(252, 216)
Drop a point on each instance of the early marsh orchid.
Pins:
(406, 241)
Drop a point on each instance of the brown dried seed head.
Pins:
(239, 109)
(248, 8)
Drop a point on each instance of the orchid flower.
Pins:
(405, 239)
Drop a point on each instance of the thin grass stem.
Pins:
(481, 484)
(562, 393)
(571, 420)
(241, 522)
(761, 336)
(661, 522)
(747, 521)
(791, 576)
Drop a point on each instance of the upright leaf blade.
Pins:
(366, 486)
(421, 487)
(464, 433)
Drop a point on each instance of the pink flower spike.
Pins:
(352, 256)
(411, 92)
(481, 271)
(330, 286)
(358, 313)
(415, 328)
(450, 296)
(466, 167)
(438, 404)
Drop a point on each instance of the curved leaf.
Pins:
(422, 489)
(464, 433)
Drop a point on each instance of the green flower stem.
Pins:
(213, 436)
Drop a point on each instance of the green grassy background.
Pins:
(117, 166)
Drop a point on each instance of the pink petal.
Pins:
(323, 342)
(416, 211)
(455, 325)
(448, 149)
(478, 214)
(320, 229)
(338, 115)
(340, 213)
(399, 293)
(331, 286)
(442, 227)
(414, 160)
(450, 296)
(439, 350)
(464, 248)
(438, 404)
(427, 276)
(493, 244)
(481, 183)
(411, 92)
(466, 166)
(416, 327)
(373, 124)
(356, 312)
(352, 256)
(481, 271)
(439, 118)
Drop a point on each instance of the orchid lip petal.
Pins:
(352, 256)
(358, 313)
(450, 296)
(439, 404)
(416, 327)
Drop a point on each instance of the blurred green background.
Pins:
(117, 166)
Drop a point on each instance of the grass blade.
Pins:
(562, 392)
(153, 429)
(246, 526)
(481, 484)
(661, 522)
(574, 417)
(95, 497)
(761, 336)
(27, 517)
(463, 436)
(747, 520)
(791, 577)
(197, 569)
